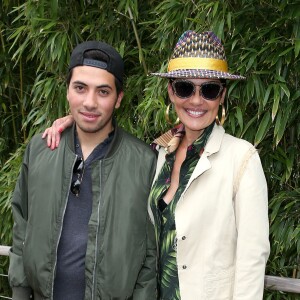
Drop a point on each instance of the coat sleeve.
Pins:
(16, 274)
(146, 286)
(251, 208)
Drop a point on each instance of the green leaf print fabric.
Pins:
(164, 215)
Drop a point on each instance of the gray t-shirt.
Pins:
(69, 282)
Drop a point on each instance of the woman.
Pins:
(209, 197)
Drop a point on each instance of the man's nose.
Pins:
(90, 100)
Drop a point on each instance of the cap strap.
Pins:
(95, 63)
(186, 63)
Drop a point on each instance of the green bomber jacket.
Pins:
(121, 250)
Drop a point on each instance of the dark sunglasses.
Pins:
(77, 170)
(208, 90)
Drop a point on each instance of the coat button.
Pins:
(184, 237)
(184, 267)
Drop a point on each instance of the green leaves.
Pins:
(262, 128)
(285, 220)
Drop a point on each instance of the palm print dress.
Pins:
(164, 215)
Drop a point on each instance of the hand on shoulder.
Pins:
(53, 133)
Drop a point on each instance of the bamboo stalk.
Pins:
(138, 41)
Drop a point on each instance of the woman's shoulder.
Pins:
(237, 142)
(238, 149)
(220, 141)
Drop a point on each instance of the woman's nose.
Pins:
(197, 98)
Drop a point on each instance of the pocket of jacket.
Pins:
(219, 285)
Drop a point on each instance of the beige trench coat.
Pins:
(222, 223)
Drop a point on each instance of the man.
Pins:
(81, 229)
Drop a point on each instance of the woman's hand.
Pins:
(53, 133)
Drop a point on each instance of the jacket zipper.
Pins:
(96, 244)
(63, 215)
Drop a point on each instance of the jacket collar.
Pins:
(215, 140)
(114, 145)
(213, 144)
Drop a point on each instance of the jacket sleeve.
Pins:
(16, 274)
(251, 208)
(146, 286)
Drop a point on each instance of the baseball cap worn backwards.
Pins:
(114, 63)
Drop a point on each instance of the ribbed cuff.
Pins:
(21, 293)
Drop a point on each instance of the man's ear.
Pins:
(68, 94)
(119, 99)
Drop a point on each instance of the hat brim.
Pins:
(196, 73)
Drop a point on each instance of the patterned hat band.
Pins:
(198, 63)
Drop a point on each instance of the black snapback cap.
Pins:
(113, 65)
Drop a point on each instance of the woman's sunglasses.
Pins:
(208, 90)
(77, 170)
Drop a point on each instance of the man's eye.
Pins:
(103, 92)
(79, 88)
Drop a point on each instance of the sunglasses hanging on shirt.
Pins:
(78, 170)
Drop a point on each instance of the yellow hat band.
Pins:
(186, 63)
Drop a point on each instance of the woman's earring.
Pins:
(167, 116)
(223, 118)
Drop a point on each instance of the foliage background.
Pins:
(262, 41)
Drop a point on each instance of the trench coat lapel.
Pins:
(213, 146)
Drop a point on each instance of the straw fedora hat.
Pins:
(198, 55)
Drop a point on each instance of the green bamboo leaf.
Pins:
(289, 166)
(267, 94)
(285, 90)
(280, 79)
(17, 32)
(262, 129)
(296, 95)
(251, 62)
(220, 29)
(285, 52)
(276, 101)
(279, 64)
(239, 116)
(282, 128)
(250, 88)
(296, 234)
(278, 122)
(248, 125)
(234, 44)
(297, 47)
(4, 108)
(216, 8)
(229, 18)
(40, 120)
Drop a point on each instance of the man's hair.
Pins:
(100, 56)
